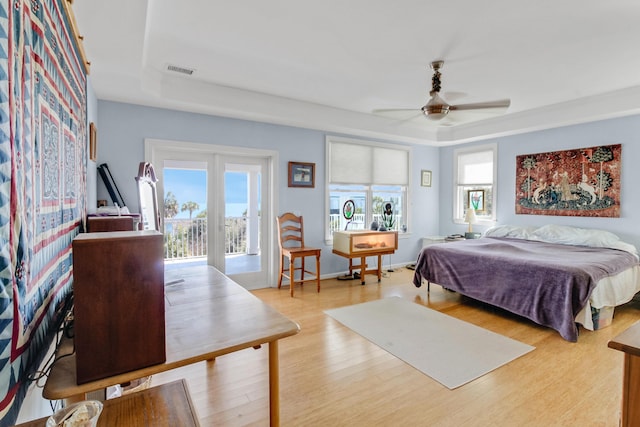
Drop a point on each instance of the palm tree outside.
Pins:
(191, 207)
(170, 205)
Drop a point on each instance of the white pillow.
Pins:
(511, 231)
(580, 236)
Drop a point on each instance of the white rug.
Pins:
(449, 350)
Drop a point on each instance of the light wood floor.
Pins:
(330, 376)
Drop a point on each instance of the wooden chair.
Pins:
(291, 242)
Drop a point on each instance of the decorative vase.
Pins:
(374, 225)
(382, 228)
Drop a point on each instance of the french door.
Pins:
(245, 256)
(239, 204)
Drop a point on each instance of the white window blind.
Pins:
(475, 168)
(367, 164)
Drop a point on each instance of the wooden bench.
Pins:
(166, 405)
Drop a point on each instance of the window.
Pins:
(474, 182)
(370, 174)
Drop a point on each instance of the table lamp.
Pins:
(470, 217)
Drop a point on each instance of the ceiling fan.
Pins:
(437, 108)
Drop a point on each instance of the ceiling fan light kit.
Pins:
(436, 108)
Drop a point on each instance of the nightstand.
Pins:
(430, 240)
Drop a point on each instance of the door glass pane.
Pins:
(185, 213)
(242, 189)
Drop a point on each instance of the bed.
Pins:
(556, 276)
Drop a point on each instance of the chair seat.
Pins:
(299, 252)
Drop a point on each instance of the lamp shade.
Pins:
(470, 216)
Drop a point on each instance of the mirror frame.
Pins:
(146, 179)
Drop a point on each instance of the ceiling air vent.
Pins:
(182, 70)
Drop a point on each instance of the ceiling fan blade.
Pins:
(400, 115)
(417, 114)
(502, 103)
(394, 110)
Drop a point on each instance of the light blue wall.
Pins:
(92, 116)
(124, 127)
(625, 131)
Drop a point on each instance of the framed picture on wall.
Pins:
(93, 142)
(425, 180)
(302, 174)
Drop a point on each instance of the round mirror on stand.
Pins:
(348, 210)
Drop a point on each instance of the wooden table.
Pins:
(207, 315)
(629, 343)
(166, 405)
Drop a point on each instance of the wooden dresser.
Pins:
(118, 302)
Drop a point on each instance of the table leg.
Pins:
(630, 391)
(379, 268)
(363, 269)
(274, 385)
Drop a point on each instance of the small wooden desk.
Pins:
(207, 315)
(362, 244)
(629, 343)
(166, 405)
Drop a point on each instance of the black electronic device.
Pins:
(112, 188)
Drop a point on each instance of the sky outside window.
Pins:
(189, 185)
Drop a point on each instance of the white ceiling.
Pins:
(329, 64)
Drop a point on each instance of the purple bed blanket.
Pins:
(546, 282)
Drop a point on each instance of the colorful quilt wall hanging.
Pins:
(579, 182)
(42, 183)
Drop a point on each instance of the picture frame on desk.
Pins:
(302, 174)
(475, 200)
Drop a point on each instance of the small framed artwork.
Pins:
(425, 178)
(93, 141)
(475, 198)
(302, 174)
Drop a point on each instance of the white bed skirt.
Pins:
(610, 292)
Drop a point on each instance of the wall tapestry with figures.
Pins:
(579, 182)
(43, 191)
